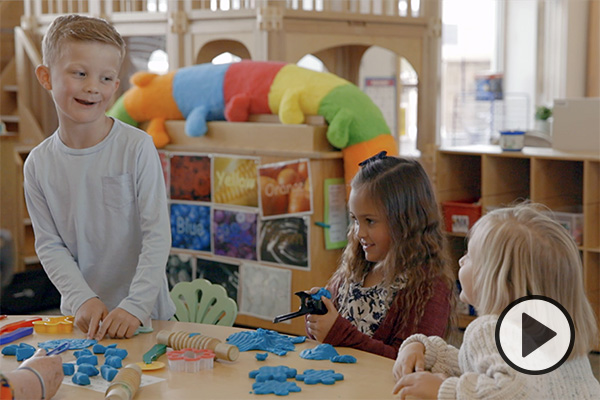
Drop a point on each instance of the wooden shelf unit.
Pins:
(543, 175)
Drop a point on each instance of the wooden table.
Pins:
(370, 378)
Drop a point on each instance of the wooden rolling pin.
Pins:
(125, 384)
(183, 340)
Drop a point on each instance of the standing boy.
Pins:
(95, 189)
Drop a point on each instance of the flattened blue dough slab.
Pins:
(322, 292)
(74, 344)
(23, 353)
(68, 369)
(82, 353)
(298, 339)
(275, 387)
(114, 361)
(261, 356)
(348, 359)
(324, 376)
(323, 351)
(280, 373)
(262, 339)
(81, 379)
(88, 369)
(108, 372)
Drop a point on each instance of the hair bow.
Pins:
(382, 155)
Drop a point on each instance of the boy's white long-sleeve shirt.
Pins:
(477, 371)
(101, 222)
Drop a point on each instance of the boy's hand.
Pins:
(118, 324)
(420, 385)
(319, 325)
(89, 315)
(410, 359)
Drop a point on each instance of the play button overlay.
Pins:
(535, 335)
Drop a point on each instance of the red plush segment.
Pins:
(251, 79)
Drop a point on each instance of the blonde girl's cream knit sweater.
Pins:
(477, 371)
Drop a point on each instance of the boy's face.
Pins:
(83, 79)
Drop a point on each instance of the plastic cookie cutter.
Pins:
(190, 360)
(54, 325)
(308, 305)
(151, 356)
(19, 324)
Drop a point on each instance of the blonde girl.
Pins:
(393, 279)
(512, 253)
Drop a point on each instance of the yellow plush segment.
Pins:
(298, 91)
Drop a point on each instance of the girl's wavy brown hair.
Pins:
(417, 252)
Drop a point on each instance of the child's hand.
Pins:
(118, 324)
(319, 325)
(89, 315)
(410, 359)
(420, 385)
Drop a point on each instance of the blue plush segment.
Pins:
(198, 93)
(262, 339)
(98, 349)
(23, 353)
(88, 369)
(11, 349)
(114, 361)
(347, 359)
(314, 376)
(108, 372)
(68, 369)
(121, 353)
(280, 373)
(93, 360)
(81, 379)
(322, 292)
(74, 344)
(261, 356)
(321, 352)
(275, 387)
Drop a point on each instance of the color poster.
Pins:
(179, 269)
(285, 241)
(222, 273)
(335, 214)
(234, 234)
(265, 291)
(190, 177)
(235, 180)
(190, 226)
(285, 188)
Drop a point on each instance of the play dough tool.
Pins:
(125, 384)
(308, 305)
(59, 349)
(54, 325)
(19, 333)
(156, 351)
(19, 324)
(181, 340)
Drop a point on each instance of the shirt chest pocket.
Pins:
(117, 190)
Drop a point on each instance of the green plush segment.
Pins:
(119, 112)
(352, 116)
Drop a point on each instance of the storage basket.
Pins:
(459, 216)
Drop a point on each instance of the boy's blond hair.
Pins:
(74, 27)
(520, 251)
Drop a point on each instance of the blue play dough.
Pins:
(108, 372)
(98, 349)
(297, 339)
(121, 353)
(74, 344)
(280, 373)
(114, 361)
(261, 356)
(88, 369)
(68, 369)
(275, 387)
(321, 352)
(11, 349)
(81, 379)
(85, 359)
(23, 353)
(322, 292)
(262, 339)
(82, 353)
(348, 359)
(326, 377)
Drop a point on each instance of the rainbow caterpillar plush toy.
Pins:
(208, 92)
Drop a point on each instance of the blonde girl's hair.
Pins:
(74, 27)
(402, 190)
(520, 251)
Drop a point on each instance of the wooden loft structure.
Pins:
(338, 32)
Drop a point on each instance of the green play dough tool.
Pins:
(156, 351)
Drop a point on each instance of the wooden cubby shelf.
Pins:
(565, 182)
